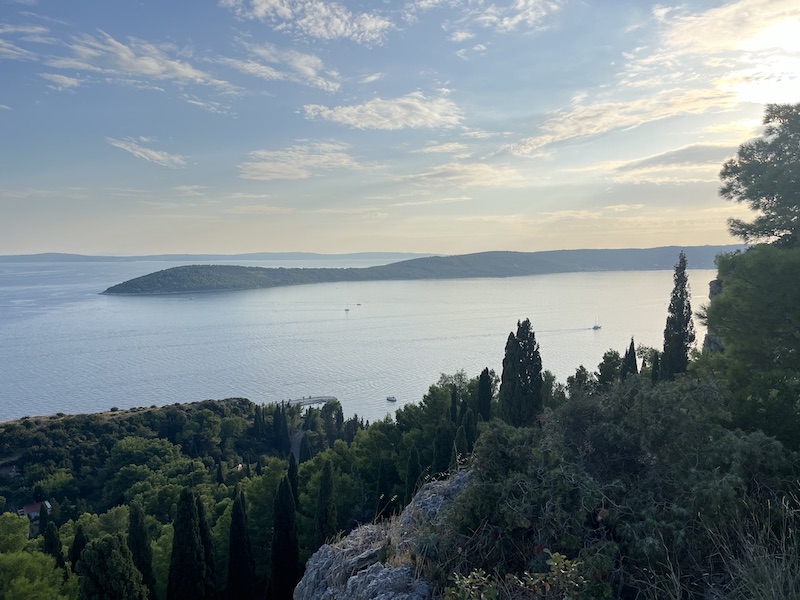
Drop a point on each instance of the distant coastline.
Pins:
(201, 278)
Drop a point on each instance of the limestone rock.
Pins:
(351, 569)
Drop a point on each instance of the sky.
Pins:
(434, 126)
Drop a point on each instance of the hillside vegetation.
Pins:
(200, 278)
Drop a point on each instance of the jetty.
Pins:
(310, 400)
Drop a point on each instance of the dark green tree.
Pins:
(608, 371)
(241, 568)
(679, 330)
(384, 502)
(44, 517)
(470, 429)
(765, 174)
(106, 571)
(460, 447)
(443, 447)
(52, 544)
(485, 395)
(78, 544)
(454, 404)
(285, 557)
(521, 381)
(139, 545)
(187, 567)
(325, 515)
(629, 366)
(220, 473)
(208, 548)
(413, 472)
(655, 367)
(292, 475)
(305, 449)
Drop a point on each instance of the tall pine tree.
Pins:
(679, 330)
(629, 366)
(521, 383)
(285, 557)
(241, 568)
(292, 475)
(325, 516)
(52, 544)
(210, 571)
(139, 544)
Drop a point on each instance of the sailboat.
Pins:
(596, 325)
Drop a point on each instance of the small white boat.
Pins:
(391, 399)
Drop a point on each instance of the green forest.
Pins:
(667, 472)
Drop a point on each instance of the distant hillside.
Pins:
(203, 278)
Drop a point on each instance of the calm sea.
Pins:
(66, 348)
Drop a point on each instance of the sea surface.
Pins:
(64, 347)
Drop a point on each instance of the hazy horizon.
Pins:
(428, 126)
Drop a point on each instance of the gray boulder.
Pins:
(351, 569)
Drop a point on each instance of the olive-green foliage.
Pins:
(13, 532)
(106, 571)
(33, 576)
(757, 315)
(325, 526)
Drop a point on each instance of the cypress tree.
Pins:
(292, 475)
(442, 448)
(187, 577)
(241, 568)
(460, 449)
(305, 450)
(485, 395)
(521, 383)
(44, 518)
(106, 571)
(285, 556)
(454, 404)
(383, 492)
(210, 571)
(629, 366)
(52, 544)
(679, 330)
(139, 545)
(78, 544)
(655, 369)
(220, 474)
(325, 516)
(470, 429)
(413, 472)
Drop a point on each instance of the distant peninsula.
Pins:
(209, 277)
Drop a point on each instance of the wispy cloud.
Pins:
(520, 14)
(443, 148)
(60, 82)
(298, 162)
(588, 119)
(288, 65)
(468, 175)
(371, 78)
(158, 157)
(190, 190)
(259, 209)
(10, 51)
(135, 60)
(411, 111)
(315, 18)
(5, 107)
(207, 105)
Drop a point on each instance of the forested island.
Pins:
(662, 473)
(204, 278)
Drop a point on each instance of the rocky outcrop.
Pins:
(375, 561)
